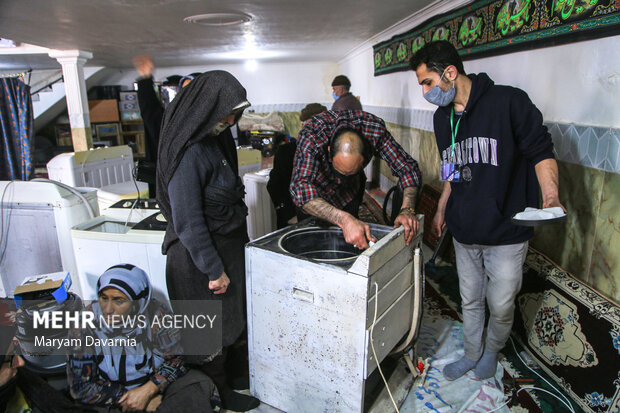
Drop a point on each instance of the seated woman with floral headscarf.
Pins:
(133, 366)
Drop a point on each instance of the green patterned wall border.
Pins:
(491, 27)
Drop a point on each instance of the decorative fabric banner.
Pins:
(491, 27)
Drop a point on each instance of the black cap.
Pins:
(341, 80)
(311, 110)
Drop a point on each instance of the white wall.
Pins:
(573, 83)
(269, 83)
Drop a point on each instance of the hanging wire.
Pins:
(46, 86)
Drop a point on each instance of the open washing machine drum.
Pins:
(319, 244)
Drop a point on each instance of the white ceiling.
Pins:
(116, 30)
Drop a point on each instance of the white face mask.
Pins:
(218, 128)
(440, 97)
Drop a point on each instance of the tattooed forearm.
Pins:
(322, 209)
(409, 196)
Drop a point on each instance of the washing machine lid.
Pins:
(155, 222)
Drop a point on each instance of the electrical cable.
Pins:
(416, 314)
(532, 388)
(4, 244)
(543, 379)
(91, 211)
(133, 177)
(372, 346)
(569, 407)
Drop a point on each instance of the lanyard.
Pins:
(454, 129)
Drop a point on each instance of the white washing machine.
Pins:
(261, 218)
(36, 219)
(312, 300)
(103, 242)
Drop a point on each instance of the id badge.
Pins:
(450, 172)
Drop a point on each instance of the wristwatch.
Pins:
(408, 209)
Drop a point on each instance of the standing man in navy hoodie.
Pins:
(494, 153)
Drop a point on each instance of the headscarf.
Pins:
(129, 365)
(190, 117)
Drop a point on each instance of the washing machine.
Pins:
(103, 242)
(311, 308)
(36, 219)
(261, 217)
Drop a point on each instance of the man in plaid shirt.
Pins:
(328, 178)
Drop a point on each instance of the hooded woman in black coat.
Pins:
(201, 196)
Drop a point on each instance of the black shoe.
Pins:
(240, 383)
(238, 402)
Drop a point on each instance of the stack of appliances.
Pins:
(311, 309)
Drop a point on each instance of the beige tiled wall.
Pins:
(420, 144)
(588, 244)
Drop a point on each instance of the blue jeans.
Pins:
(494, 273)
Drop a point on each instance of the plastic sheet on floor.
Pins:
(442, 341)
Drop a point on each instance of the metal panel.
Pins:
(30, 244)
(303, 330)
(389, 329)
(389, 293)
(384, 250)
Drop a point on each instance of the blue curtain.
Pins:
(16, 127)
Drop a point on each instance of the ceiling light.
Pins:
(218, 19)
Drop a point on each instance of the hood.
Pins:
(190, 117)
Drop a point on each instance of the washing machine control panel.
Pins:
(141, 204)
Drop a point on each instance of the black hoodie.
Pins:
(501, 137)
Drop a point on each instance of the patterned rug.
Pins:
(572, 332)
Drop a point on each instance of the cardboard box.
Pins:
(105, 110)
(44, 286)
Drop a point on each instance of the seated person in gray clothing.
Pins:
(145, 374)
